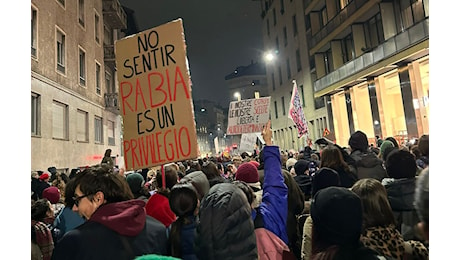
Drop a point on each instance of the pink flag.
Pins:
(296, 112)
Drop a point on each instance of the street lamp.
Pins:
(269, 56)
(237, 95)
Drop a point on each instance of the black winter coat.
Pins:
(92, 241)
(226, 229)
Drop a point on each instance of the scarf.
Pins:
(43, 239)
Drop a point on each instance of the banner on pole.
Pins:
(296, 112)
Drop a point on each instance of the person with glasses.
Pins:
(116, 226)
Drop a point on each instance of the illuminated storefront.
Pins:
(395, 104)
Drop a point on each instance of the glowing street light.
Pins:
(270, 56)
(237, 95)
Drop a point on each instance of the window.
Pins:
(60, 51)
(98, 130)
(81, 12)
(96, 28)
(274, 17)
(285, 36)
(82, 65)
(288, 68)
(298, 61)
(344, 3)
(373, 30)
(60, 120)
(294, 26)
(283, 106)
(273, 81)
(82, 126)
(302, 95)
(111, 132)
(307, 22)
(62, 2)
(280, 75)
(348, 52)
(33, 31)
(282, 6)
(276, 110)
(268, 27)
(277, 43)
(35, 114)
(98, 78)
(327, 57)
(323, 14)
(108, 82)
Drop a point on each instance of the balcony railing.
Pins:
(109, 55)
(111, 101)
(114, 15)
(390, 47)
(335, 22)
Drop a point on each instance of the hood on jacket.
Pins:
(366, 159)
(126, 217)
(401, 193)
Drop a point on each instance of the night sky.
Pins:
(220, 35)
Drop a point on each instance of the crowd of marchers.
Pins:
(356, 202)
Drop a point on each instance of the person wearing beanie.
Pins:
(248, 173)
(358, 141)
(42, 184)
(136, 183)
(302, 177)
(325, 177)
(393, 140)
(366, 164)
(290, 166)
(184, 202)
(54, 196)
(158, 204)
(400, 187)
(385, 147)
(337, 220)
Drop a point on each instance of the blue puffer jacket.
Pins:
(274, 206)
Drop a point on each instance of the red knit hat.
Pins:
(247, 172)
(52, 194)
(256, 164)
(44, 176)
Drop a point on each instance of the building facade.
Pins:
(370, 61)
(284, 35)
(74, 110)
(359, 64)
(210, 119)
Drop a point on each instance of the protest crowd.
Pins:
(328, 202)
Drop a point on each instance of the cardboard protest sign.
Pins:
(248, 116)
(248, 142)
(155, 97)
